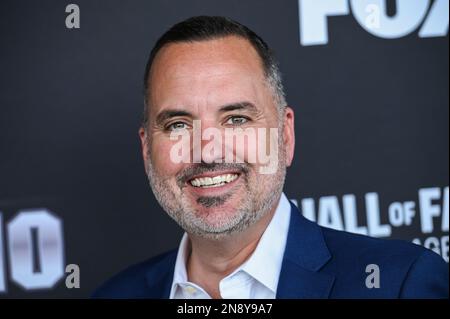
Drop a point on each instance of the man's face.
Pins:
(221, 84)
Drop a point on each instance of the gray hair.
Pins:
(203, 28)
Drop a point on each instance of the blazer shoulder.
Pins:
(428, 277)
(407, 270)
(342, 243)
(132, 281)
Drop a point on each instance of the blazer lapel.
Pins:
(160, 277)
(305, 254)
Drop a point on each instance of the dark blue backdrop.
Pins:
(372, 127)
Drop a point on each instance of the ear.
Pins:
(144, 146)
(289, 135)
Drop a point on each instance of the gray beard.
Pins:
(250, 209)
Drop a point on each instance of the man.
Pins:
(243, 238)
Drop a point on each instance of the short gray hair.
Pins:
(203, 28)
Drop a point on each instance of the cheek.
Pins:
(160, 156)
(259, 148)
(248, 150)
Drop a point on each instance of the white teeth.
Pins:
(213, 182)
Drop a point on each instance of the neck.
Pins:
(211, 260)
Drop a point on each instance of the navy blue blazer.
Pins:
(318, 263)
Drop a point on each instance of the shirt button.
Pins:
(190, 290)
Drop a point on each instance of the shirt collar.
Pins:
(264, 265)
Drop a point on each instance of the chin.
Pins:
(217, 218)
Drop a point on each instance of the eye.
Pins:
(177, 126)
(237, 120)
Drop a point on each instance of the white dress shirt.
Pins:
(256, 278)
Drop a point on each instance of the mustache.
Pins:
(200, 168)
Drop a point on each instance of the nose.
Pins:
(207, 143)
(212, 150)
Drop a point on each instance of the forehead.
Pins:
(208, 72)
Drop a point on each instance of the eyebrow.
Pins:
(246, 106)
(167, 114)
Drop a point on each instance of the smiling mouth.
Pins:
(213, 181)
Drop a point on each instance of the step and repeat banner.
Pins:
(368, 80)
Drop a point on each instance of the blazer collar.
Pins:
(160, 276)
(305, 254)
